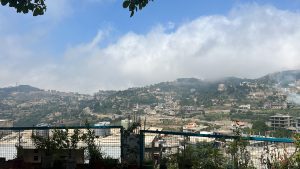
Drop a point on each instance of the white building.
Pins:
(221, 87)
(245, 107)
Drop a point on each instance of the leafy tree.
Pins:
(134, 5)
(259, 126)
(52, 146)
(282, 132)
(59, 140)
(277, 160)
(38, 7)
(294, 160)
(201, 156)
(93, 150)
(240, 156)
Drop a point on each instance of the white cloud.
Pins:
(249, 42)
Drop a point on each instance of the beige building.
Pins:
(6, 123)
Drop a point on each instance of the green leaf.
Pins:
(131, 7)
(126, 4)
(30, 7)
(144, 4)
(12, 3)
(4, 2)
(132, 13)
(25, 10)
(36, 12)
(19, 8)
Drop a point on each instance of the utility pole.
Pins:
(145, 123)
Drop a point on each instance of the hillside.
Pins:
(28, 105)
(5, 92)
(282, 79)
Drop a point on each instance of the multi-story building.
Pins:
(245, 107)
(277, 106)
(297, 124)
(281, 121)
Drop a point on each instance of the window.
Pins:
(35, 158)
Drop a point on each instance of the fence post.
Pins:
(19, 138)
(142, 148)
(122, 144)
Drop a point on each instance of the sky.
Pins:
(91, 45)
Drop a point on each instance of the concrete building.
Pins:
(281, 121)
(192, 110)
(276, 106)
(245, 107)
(5, 123)
(42, 132)
(102, 132)
(297, 124)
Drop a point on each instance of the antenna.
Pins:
(145, 123)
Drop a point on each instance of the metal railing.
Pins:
(150, 145)
(259, 151)
(107, 138)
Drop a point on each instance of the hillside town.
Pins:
(183, 105)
